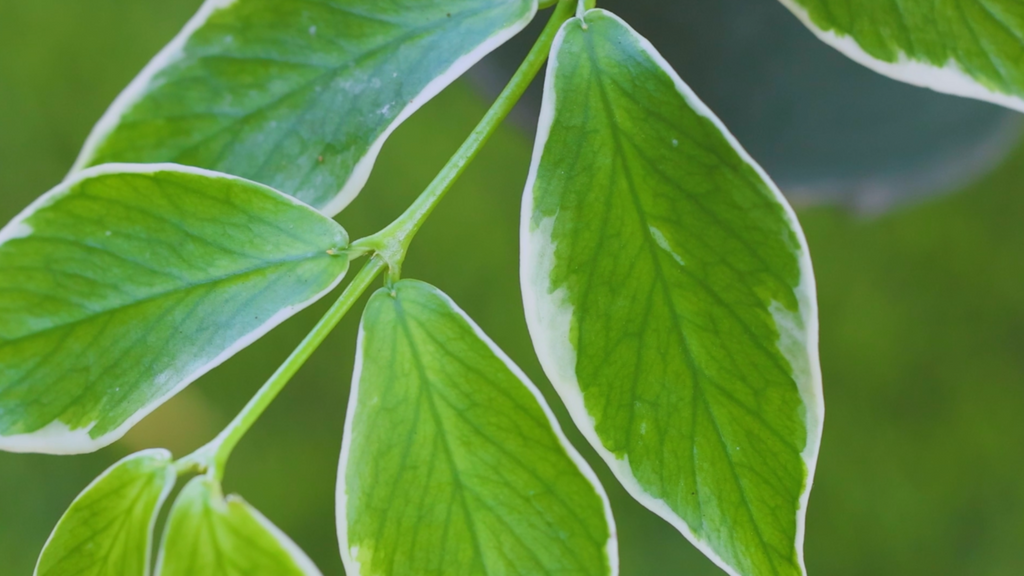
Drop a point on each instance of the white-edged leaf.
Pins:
(211, 535)
(973, 49)
(127, 282)
(452, 462)
(670, 297)
(108, 529)
(297, 94)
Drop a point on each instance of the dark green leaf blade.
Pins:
(973, 49)
(670, 297)
(215, 536)
(108, 529)
(126, 283)
(298, 95)
(452, 463)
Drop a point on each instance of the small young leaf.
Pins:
(108, 529)
(126, 283)
(670, 297)
(972, 49)
(215, 536)
(452, 463)
(297, 95)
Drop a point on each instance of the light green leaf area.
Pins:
(972, 48)
(108, 529)
(670, 299)
(452, 463)
(298, 94)
(126, 283)
(215, 536)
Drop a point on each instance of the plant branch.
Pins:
(392, 243)
(213, 457)
(389, 246)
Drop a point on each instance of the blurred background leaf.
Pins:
(922, 307)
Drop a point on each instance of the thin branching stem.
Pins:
(392, 243)
(214, 456)
(389, 247)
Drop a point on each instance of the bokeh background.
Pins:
(913, 204)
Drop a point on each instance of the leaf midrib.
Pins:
(660, 274)
(165, 293)
(535, 418)
(438, 421)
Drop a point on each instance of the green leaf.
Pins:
(973, 48)
(670, 298)
(215, 536)
(108, 529)
(126, 283)
(452, 463)
(298, 95)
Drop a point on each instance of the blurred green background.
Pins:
(922, 316)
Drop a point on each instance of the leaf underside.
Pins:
(670, 300)
(126, 283)
(108, 529)
(215, 536)
(451, 464)
(297, 94)
(978, 44)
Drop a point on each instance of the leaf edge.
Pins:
(950, 79)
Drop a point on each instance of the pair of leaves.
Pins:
(108, 529)
(452, 464)
(124, 284)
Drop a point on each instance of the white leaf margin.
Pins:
(170, 478)
(175, 51)
(948, 79)
(225, 506)
(549, 316)
(348, 552)
(57, 438)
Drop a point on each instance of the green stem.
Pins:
(213, 457)
(392, 243)
(389, 247)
